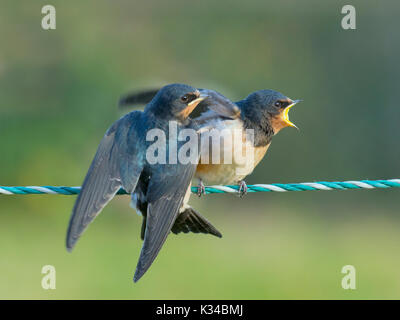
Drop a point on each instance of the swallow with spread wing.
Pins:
(264, 113)
(159, 189)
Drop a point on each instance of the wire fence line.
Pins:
(273, 187)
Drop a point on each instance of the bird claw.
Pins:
(242, 188)
(201, 189)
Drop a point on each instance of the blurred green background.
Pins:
(58, 94)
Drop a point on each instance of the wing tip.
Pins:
(70, 245)
(70, 241)
(138, 274)
(141, 97)
(142, 267)
(124, 101)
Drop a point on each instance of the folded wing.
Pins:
(165, 195)
(216, 105)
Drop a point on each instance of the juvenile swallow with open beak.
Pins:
(264, 113)
(157, 189)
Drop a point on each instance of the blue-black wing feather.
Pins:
(116, 164)
(167, 188)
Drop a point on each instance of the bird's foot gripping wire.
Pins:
(242, 188)
(201, 189)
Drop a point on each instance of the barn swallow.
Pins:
(265, 112)
(158, 189)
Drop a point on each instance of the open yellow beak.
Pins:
(285, 114)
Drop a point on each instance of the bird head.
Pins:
(175, 101)
(272, 107)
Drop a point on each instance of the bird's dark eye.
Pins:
(189, 97)
(278, 104)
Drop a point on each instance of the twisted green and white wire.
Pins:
(273, 187)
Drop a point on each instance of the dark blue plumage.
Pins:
(121, 161)
(160, 191)
(265, 112)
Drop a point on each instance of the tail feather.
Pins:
(191, 221)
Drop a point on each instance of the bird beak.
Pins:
(193, 104)
(285, 114)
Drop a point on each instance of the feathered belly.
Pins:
(229, 158)
(217, 174)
